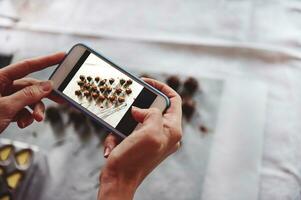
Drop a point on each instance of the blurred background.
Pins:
(241, 126)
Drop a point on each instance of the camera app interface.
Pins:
(106, 92)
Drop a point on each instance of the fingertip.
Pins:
(110, 143)
(24, 123)
(46, 86)
(106, 152)
(21, 124)
(38, 116)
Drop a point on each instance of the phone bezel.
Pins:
(89, 113)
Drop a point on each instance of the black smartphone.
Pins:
(104, 91)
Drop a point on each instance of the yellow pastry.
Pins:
(5, 153)
(23, 157)
(5, 197)
(14, 179)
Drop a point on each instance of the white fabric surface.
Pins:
(226, 39)
(235, 158)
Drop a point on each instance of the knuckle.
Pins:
(25, 64)
(30, 91)
(154, 111)
(179, 98)
(177, 147)
(153, 140)
(6, 106)
(175, 134)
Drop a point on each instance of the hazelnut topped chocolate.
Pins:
(102, 82)
(78, 93)
(87, 86)
(87, 93)
(82, 78)
(97, 79)
(102, 88)
(118, 90)
(129, 82)
(80, 83)
(128, 90)
(101, 97)
(121, 81)
(108, 89)
(95, 95)
(121, 99)
(112, 98)
(89, 78)
(111, 80)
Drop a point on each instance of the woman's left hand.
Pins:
(17, 92)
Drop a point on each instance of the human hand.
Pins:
(17, 92)
(129, 162)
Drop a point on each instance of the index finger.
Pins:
(174, 97)
(23, 68)
(25, 82)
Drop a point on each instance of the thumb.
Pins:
(30, 95)
(143, 115)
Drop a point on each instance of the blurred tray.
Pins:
(23, 170)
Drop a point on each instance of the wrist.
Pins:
(115, 187)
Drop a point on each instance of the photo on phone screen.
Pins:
(105, 91)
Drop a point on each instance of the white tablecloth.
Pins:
(250, 40)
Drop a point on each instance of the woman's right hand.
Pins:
(129, 162)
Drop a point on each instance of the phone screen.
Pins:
(106, 92)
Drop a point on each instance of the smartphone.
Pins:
(104, 91)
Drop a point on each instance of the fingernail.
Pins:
(107, 152)
(22, 124)
(46, 86)
(134, 108)
(40, 116)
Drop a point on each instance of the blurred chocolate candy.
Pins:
(203, 129)
(188, 107)
(174, 82)
(191, 85)
(53, 115)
